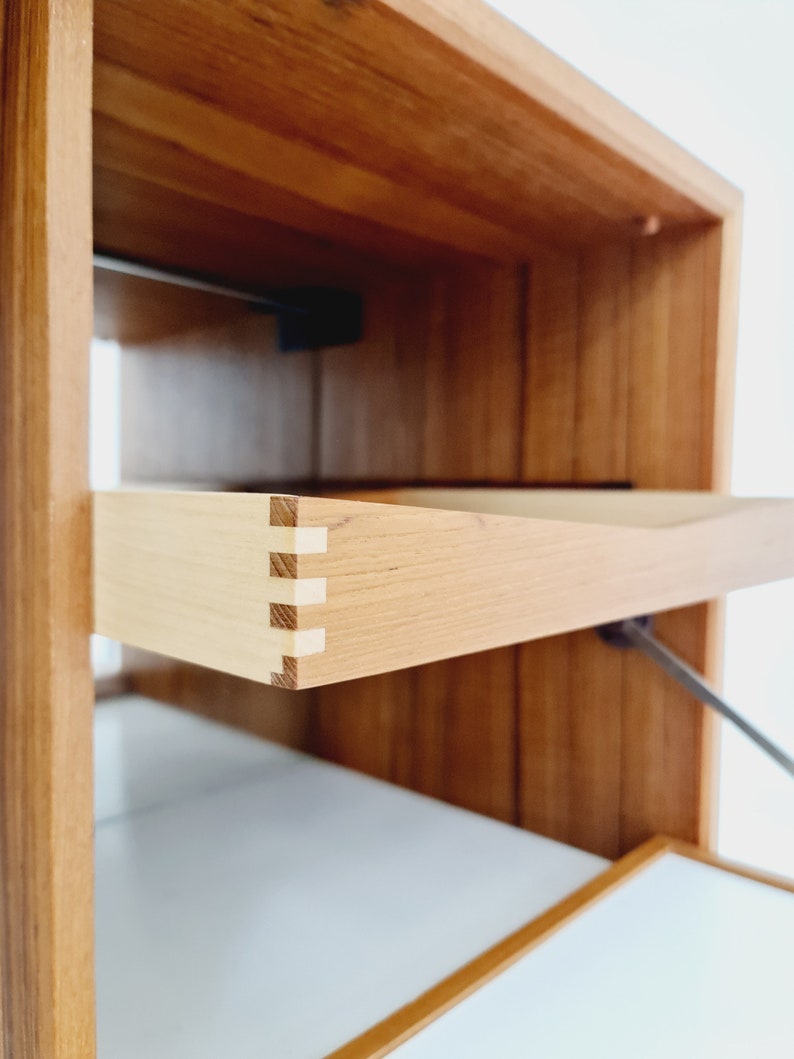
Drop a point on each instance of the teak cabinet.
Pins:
(549, 299)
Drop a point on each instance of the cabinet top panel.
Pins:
(389, 125)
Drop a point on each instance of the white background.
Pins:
(718, 76)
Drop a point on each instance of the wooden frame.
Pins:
(388, 1035)
(302, 591)
(46, 789)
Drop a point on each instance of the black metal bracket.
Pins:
(316, 317)
(637, 633)
(306, 317)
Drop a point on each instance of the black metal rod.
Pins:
(633, 631)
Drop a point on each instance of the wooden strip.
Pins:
(46, 692)
(409, 1020)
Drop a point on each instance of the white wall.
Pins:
(718, 76)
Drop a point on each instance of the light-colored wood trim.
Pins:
(388, 1035)
(46, 701)
(382, 1039)
(353, 588)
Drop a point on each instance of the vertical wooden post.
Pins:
(46, 875)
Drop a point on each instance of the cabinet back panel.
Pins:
(600, 365)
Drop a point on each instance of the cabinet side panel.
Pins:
(46, 790)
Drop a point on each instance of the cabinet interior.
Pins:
(524, 322)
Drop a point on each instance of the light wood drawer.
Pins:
(303, 591)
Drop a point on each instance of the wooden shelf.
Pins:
(252, 901)
(403, 128)
(304, 591)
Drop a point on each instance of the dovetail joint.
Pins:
(284, 513)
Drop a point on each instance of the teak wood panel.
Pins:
(46, 795)
(404, 403)
(353, 588)
(435, 121)
(564, 761)
(452, 383)
(669, 406)
(215, 404)
(136, 219)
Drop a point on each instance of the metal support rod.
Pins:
(128, 267)
(634, 632)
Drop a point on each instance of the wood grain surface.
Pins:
(658, 316)
(435, 391)
(354, 588)
(428, 133)
(46, 693)
(434, 122)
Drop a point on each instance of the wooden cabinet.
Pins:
(549, 293)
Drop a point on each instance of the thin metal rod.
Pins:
(690, 679)
(179, 279)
